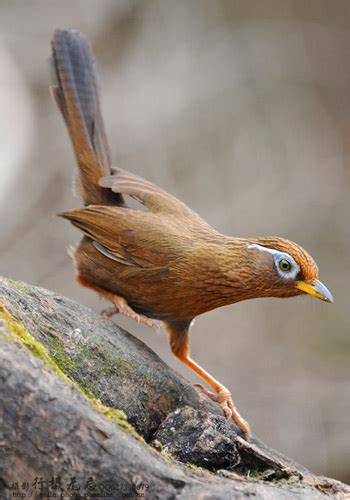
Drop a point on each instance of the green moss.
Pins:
(273, 476)
(168, 456)
(254, 475)
(21, 286)
(66, 363)
(196, 468)
(61, 363)
(17, 332)
(111, 365)
(69, 365)
(115, 366)
(116, 416)
(103, 363)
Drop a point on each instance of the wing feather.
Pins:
(111, 255)
(156, 199)
(130, 237)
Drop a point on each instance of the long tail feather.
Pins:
(75, 92)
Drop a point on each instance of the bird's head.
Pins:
(284, 269)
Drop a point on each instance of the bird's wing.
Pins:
(130, 237)
(152, 197)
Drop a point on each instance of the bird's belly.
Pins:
(152, 292)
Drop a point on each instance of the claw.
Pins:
(109, 311)
(204, 390)
(224, 399)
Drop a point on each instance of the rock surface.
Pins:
(65, 375)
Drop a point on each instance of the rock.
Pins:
(196, 437)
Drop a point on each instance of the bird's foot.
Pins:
(121, 306)
(224, 399)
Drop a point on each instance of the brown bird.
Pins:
(161, 262)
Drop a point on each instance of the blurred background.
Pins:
(241, 109)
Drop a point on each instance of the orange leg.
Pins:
(120, 305)
(180, 346)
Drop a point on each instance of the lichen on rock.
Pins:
(61, 363)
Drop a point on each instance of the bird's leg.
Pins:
(180, 346)
(120, 305)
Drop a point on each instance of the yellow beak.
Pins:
(316, 289)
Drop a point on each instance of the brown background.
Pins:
(241, 109)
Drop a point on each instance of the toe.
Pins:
(209, 394)
(108, 312)
(227, 411)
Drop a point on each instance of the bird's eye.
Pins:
(284, 265)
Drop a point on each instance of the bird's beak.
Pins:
(316, 289)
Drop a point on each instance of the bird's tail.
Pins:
(75, 92)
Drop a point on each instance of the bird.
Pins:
(159, 261)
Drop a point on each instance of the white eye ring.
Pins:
(278, 257)
(294, 270)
